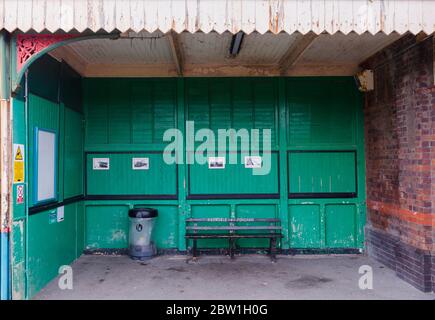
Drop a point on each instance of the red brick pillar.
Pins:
(400, 160)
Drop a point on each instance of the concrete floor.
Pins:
(218, 277)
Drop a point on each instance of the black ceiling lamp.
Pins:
(236, 43)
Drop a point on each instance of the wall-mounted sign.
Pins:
(60, 214)
(101, 163)
(20, 194)
(253, 162)
(216, 163)
(18, 163)
(45, 148)
(140, 163)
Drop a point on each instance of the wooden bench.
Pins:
(233, 229)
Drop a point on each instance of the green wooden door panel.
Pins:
(211, 211)
(255, 211)
(107, 226)
(305, 226)
(121, 179)
(322, 172)
(165, 233)
(340, 226)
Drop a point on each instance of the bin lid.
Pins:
(142, 213)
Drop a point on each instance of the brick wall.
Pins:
(400, 160)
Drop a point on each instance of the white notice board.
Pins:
(45, 165)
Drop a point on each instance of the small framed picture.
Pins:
(216, 163)
(253, 162)
(140, 163)
(101, 163)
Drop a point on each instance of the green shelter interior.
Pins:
(315, 184)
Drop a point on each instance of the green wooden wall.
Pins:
(42, 244)
(315, 185)
(316, 182)
(51, 243)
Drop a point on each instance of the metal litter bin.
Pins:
(141, 228)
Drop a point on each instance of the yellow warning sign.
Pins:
(18, 163)
(18, 154)
(18, 171)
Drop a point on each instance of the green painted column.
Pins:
(283, 187)
(181, 168)
(61, 154)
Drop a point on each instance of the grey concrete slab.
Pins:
(218, 277)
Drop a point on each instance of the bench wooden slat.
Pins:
(232, 220)
(233, 228)
(233, 235)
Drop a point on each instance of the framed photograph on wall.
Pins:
(253, 162)
(216, 162)
(100, 163)
(45, 165)
(140, 163)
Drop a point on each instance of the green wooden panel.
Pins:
(96, 111)
(80, 226)
(321, 111)
(304, 226)
(71, 88)
(43, 78)
(340, 225)
(165, 234)
(319, 172)
(107, 225)
(119, 112)
(129, 111)
(73, 163)
(43, 114)
(50, 246)
(142, 113)
(237, 103)
(121, 179)
(18, 259)
(233, 179)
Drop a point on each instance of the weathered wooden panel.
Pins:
(226, 15)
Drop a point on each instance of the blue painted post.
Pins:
(4, 281)
(5, 136)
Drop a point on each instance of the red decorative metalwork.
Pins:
(29, 45)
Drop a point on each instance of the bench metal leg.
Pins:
(194, 253)
(231, 248)
(272, 249)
